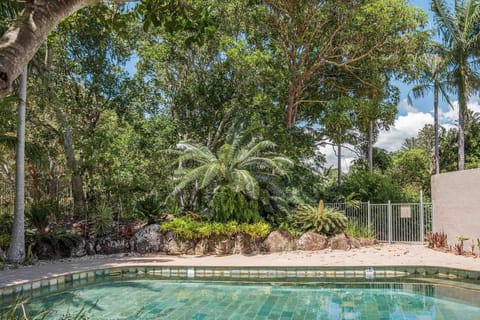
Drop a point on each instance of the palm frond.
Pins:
(243, 181)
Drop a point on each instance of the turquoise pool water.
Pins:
(160, 299)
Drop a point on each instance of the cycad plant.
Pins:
(238, 166)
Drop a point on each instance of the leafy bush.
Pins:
(4, 241)
(355, 230)
(195, 230)
(228, 205)
(38, 214)
(150, 208)
(328, 221)
(102, 219)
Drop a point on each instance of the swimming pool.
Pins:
(236, 294)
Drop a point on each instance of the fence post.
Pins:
(422, 221)
(369, 217)
(389, 222)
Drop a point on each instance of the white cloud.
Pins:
(450, 116)
(406, 126)
(331, 157)
(404, 107)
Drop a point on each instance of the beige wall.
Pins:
(456, 201)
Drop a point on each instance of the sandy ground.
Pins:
(378, 255)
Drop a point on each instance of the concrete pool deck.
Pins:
(377, 255)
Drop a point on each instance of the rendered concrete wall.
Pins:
(456, 201)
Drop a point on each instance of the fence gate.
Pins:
(392, 222)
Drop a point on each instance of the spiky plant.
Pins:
(328, 221)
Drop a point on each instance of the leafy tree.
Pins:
(460, 31)
(318, 41)
(411, 169)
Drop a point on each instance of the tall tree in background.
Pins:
(460, 29)
(433, 75)
(16, 251)
(320, 39)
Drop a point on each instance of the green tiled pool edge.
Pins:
(393, 274)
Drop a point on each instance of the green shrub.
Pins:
(150, 208)
(228, 205)
(38, 214)
(328, 221)
(355, 230)
(4, 241)
(101, 219)
(194, 230)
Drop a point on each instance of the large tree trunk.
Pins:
(16, 252)
(72, 164)
(76, 177)
(22, 40)
(435, 126)
(370, 146)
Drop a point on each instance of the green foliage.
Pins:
(329, 222)
(228, 205)
(102, 219)
(355, 230)
(374, 187)
(190, 229)
(4, 241)
(150, 208)
(39, 214)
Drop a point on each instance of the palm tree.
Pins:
(16, 251)
(433, 75)
(461, 37)
(242, 168)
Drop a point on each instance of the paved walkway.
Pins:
(378, 255)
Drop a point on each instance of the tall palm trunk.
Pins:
(16, 252)
(462, 109)
(435, 125)
(339, 163)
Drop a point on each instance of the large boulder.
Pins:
(246, 244)
(279, 241)
(79, 250)
(339, 242)
(173, 245)
(90, 247)
(108, 245)
(364, 242)
(311, 241)
(148, 239)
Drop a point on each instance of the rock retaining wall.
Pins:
(151, 240)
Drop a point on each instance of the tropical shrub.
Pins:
(355, 230)
(328, 221)
(228, 205)
(246, 169)
(101, 221)
(190, 229)
(150, 208)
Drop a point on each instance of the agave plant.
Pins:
(328, 221)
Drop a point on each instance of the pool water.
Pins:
(159, 299)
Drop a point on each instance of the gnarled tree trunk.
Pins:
(22, 40)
